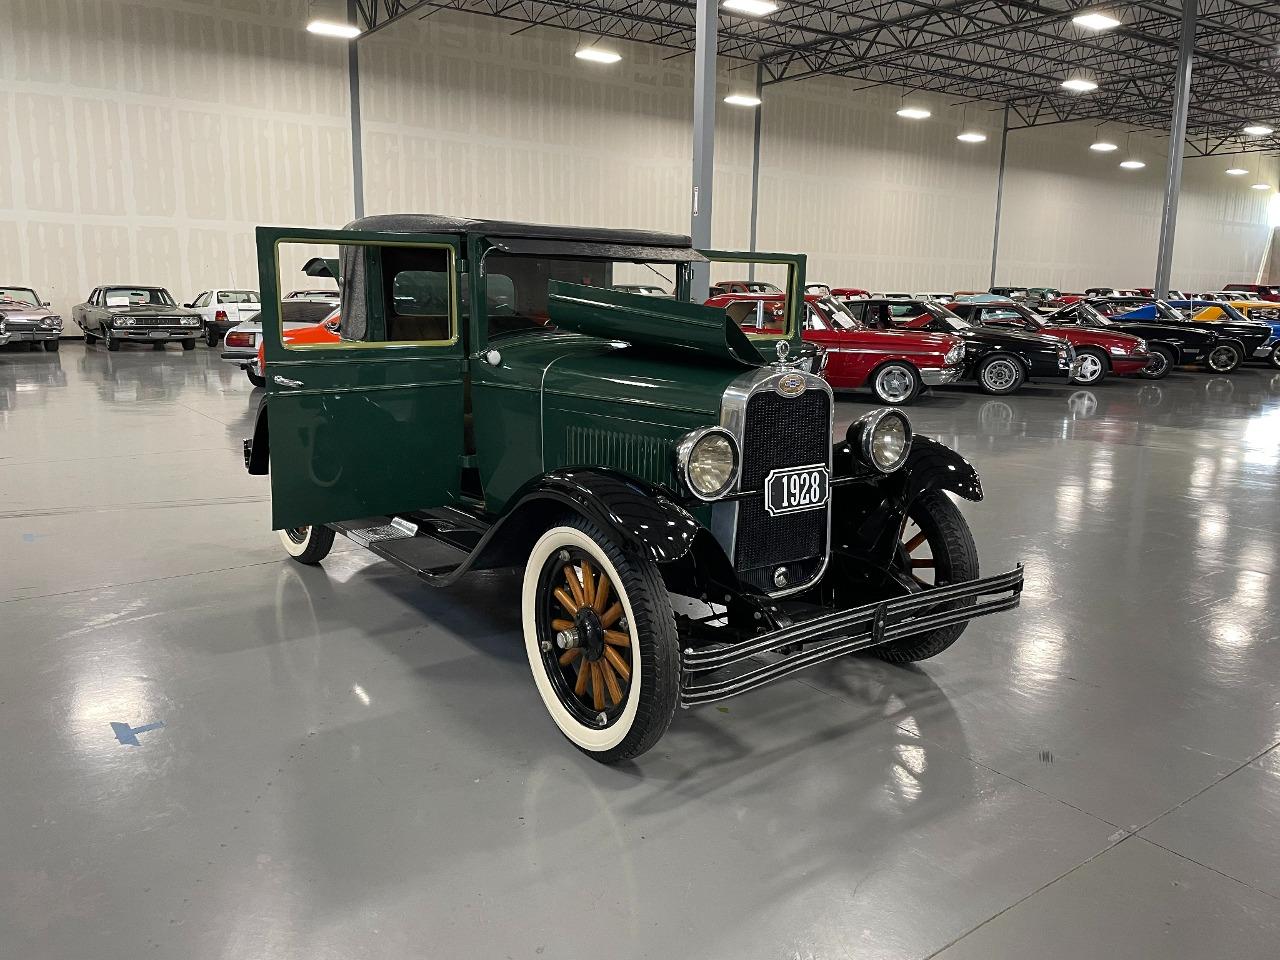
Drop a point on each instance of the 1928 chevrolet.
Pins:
(688, 527)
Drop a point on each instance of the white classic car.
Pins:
(241, 345)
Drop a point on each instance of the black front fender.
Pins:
(644, 517)
(868, 511)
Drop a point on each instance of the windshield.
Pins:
(20, 295)
(238, 296)
(1089, 314)
(838, 315)
(516, 286)
(1013, 311)
(137, 297)
(910, 309)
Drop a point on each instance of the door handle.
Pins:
(286, 382)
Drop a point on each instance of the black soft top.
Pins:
(434, 223)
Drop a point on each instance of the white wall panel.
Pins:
(144, 139)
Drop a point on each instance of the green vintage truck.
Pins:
(688, 527)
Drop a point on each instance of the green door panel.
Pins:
(360, 429)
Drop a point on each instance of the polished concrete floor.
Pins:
(211, 752)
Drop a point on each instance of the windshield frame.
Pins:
(34, 302)
(166, 298)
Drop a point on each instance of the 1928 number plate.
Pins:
(795, 489)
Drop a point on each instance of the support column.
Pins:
(1177, 137)
(755, 168)
(357, 143)
(704, 138)
(995, 238)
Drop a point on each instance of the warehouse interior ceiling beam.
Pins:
(1001, 52)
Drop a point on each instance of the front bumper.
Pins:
(941, 376)
(155, 334)
(717, 672)
(32, 334)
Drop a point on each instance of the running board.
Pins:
(837, 634)
(426, 546)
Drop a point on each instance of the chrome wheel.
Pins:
(1223, 359)
(1000, 374)
(895, 383)
(1091, 368)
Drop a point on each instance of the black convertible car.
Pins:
(1000, 361)
(1176, 342)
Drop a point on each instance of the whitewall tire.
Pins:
(307, 545)
(625, 644)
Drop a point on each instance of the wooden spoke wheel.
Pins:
(601, 641)
(584, 637)
(935, 548)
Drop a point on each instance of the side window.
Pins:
(386, 293)
(859, 312)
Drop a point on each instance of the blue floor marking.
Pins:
(128, 735)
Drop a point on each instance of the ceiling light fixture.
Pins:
(743, 100)
(327, 28)
(1258, 130)
(971, 136)
(1095, 21)
(1132, 164)
(914, 113)
(752, 8)
(1236, 171)
(1261, 186)
(597, 55)
(1103, 146)
(1079, 85)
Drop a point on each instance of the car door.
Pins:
(371, 424)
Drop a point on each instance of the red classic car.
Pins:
(850, 293)
(1097, 351)
(895, 364)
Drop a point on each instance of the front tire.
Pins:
(935, 548)
(189, 344)
(609, 677)
(1223, 358)
(307, 545)
(896, 383)
(1274, 358)
(1000, 375)
(51, 346)
(112, 343)
(211, 337)
(1162, 361)
(1093, 368)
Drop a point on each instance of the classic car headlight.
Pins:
(955, 354)
(190, 321)
(881, 439)
(52, 323)
(1140, 347)
(707, 460)
(119, 321)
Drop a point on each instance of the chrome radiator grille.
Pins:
(781, 432)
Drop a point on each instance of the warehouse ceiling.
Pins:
(994, 51)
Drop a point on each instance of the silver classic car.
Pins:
(28, 319)
(118, 313)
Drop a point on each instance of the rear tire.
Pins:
(954, 559)
(1223, 358)
(1162, 361)
(644, 675)
(1093, 367)
(211, 337)
(896, 383)
(307, 545)
(1000, 375)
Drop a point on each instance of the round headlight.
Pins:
(881, 439)
(708, 461)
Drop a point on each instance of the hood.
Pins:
(1013, 338)
(12, 311)
(672, 328)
